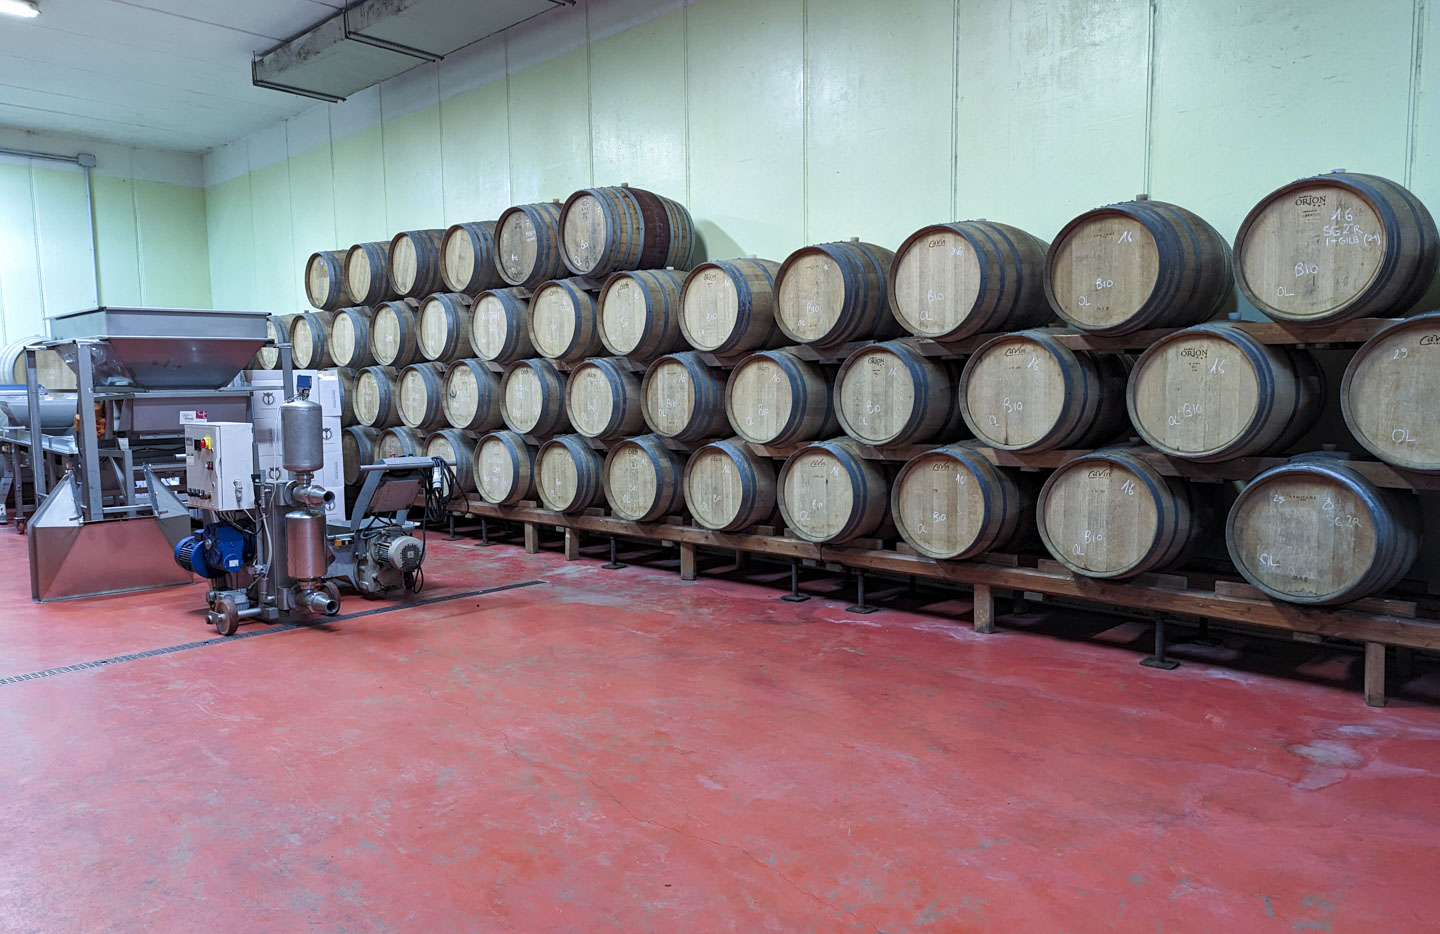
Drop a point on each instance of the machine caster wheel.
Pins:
(19, 526)
(332, 590)
(226, 617)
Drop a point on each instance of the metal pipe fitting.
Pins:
(311, 495)
(318, 601)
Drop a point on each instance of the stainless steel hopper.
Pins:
(162, 348)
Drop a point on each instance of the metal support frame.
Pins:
(860, 605)
(386, 44)
(1158, 660)
(795, 596)
(614, 564)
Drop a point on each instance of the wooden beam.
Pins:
(984, 611)
(1374, 674)
(688, 569)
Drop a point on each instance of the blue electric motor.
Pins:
(216, 550)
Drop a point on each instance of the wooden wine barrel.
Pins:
(472, 397)
(949, 281)
(504, 468)
(602, 399)
(325, 280)
(444, 325)
(50, 369)
(565, 322)
(1110, 514)
(569, 474)
(500, 326)
(1335, 247)
(831, 293)
(345, 379)
(277, 329)
(310, 340)
(399, 441)
(1212, 392)
(729, 307)
(467, 258)
(684, 399)
(395, 334)
(357, 448)
(457, 448)
(605, 230)
(350, 337)
(377, 397)
(1315, 531)
(891, 393)
(727, 488)
(527, 242)
(640, 313)
(1390, 391)
(829, 493)
(1138, 264)
(422, 396)
(415, 263)
(774, 397)
(642, 479)
(532, 398)
(1028, 392)
(953, 503)
(367, 274)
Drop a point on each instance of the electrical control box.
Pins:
(219, 461)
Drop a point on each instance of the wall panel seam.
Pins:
(1412, 125)
(955, 113)
(1152, 16)
(804, 121)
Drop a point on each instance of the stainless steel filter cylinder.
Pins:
(302, 436)
(305, 545)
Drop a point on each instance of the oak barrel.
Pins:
(953, 503)
(350, 337)
(1110, 514)
(444, 325)
(467, 258)
(728, 488)
(684, 399)
(277, 330)
(377, 397)
(640, 313)
(1138, 264)
(605, 230)
(367, 274)
(774, 397)
(500, 326)
(1029, 392)
(527, 244)
(1315, 531)
(345, 381)
(472, 396)
(310, 340)
(1390, 395)
(728, 307)
(422, 396)
(325, 280)
(1212, 392)
(829, 493)
(602, 399)
(399, 441)
(51, 371)
(1338, 246)
(395, 333)
(949, 281)
(831, 293)
(891, 393)
(565, 321)
(457, 448)
(504, 468)
(357, 448)
(643, 479)
(532, 398)
(569, 474)
(415, 263)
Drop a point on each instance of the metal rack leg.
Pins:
(613, 565)
(452, 536)
(485, 533)
(1158, 660)
(860, 605)
(795, 596)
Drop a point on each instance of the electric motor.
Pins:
(397, 550)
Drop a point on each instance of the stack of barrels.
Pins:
(583, 353)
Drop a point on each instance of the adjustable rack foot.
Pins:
(860, 605)
(795, 596)
(1158, 660)
(613, 565)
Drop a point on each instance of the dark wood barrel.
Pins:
(377, 397)
(1138, 264)
(467, 258)
(605, 230)
(457, 448)
(829, 493)
(532, 398)
(500, 326)
(310, 340)
(684, 399)
(357, 448)
(472, 396)
(640, 313)
(952, 503)
(350, 337)
(728, 488)
(504, 468)
(422, 396)
(1338, 246)
(325, 280)
(891, 393)
(565, 321)
(415, 263)
(444, 322)
(949, 281)
(570, 475)
(728, 307)
(831, 293)
(367, 274)
(643, 479)
(774, 397)
(527, 244)
(395, 334)
(1315, 531)
(602, 399)
(1389, 394)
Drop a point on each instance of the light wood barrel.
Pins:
(1028, 392)
(422, 396)
(277, 330)
(357, 448)
(455, 447)
(399, 441)
(950, 281)
(325, 280)
(1316, 531)
(831, 293)
(504, 468)
(727, 488)
(774, 397)
(684, 399)
(310, 340)
(395, 334)
(50, 369)
(345, 379)
(532, 398)
(444, 322)
(829, 493)
(729, 307)
(602, 399)
(953, 503)
(467, 258)
(1138, 264)
(891, 393)
(377, 397)
(640, 313)
(643, 479)
(415, 263)
(565, 321)
(605, 230)
(350, 337)
(1390, 391)
(367, 274)
(500, 326)
(1335, 247)
(1110, 514)
(569, 474)
(527, 241)
(472, 397)
(1212, 392)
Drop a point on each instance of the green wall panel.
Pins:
(637, 106)
(359, 164)
(117, 246)
(549, 129)
(174, 243)
(20, 295)
(312, 209)
(412, 171)
(230, 222)
(63, 238)
(475, 153)
(1425, 155)
(276, 286)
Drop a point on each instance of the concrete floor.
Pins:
(617, 751)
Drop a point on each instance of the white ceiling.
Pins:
(159, 74)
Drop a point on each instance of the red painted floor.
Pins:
(617, 751)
